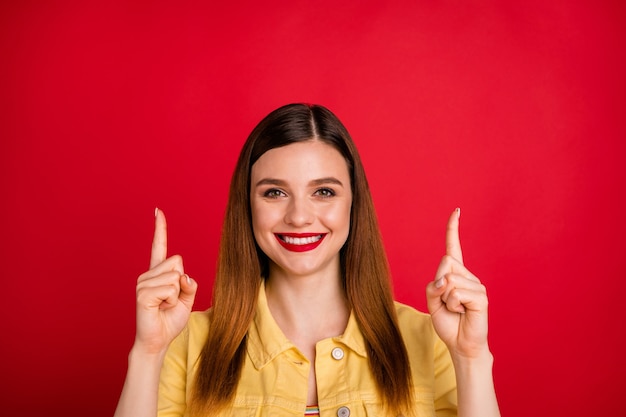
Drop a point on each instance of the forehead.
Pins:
(301, 160)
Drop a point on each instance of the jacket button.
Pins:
(343, 412)
(337, 353)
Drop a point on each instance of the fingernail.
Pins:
(458, 212)
(188, 279)
(439, 283)
(156, 211)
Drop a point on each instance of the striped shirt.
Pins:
(312, 410)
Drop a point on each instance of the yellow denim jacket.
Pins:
(275, 374)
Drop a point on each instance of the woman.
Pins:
(303, 315)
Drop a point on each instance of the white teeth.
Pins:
(301, 240)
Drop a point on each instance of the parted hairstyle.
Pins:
(242, 265)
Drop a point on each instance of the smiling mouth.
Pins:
(300, 242)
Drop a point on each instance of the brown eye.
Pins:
(325, 192)
(273, 193)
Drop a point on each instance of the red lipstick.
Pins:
(300, 242)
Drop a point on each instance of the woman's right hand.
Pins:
(165, 295)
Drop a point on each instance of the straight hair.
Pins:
(242, 265)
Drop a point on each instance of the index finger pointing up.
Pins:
(453, 242)
(159, 242)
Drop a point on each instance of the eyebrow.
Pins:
(315, 182)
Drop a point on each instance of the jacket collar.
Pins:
(266, 341)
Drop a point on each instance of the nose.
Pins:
(299, 212)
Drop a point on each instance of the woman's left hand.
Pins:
(457, 301)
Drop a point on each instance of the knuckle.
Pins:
(172, 291)
(446, 259)
(177, 263)
(140, 286)
(140, 295)
(454, 297)
(143, 277)
(451, 278)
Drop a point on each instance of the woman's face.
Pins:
(301, 197)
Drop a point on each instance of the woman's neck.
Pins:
(307, 308)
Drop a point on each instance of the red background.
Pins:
(513, 111)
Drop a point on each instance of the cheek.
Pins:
(338, 217)
(263, 220)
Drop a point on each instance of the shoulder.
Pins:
(416, 327)
(198, 327)
(427, 353)
(191, 339)
(199, 321)
(410, 317)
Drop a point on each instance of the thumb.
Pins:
(434, 291)
(188, 290)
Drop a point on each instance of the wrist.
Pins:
(481, 359)
(140, 393)
(146, 356)
(475, 386)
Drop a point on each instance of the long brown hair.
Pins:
(242, 265)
